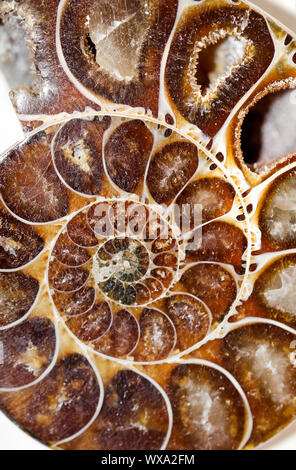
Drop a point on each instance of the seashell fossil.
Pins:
(122, 327)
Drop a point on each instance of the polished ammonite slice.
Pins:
(148, 226)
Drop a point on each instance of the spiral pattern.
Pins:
(129, 319)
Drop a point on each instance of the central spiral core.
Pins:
(119, 263)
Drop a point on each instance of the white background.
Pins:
(11, 437)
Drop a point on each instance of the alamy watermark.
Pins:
(136, 220)
(1, 353)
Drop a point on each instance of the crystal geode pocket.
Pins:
(129, 319)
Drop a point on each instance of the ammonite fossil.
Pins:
(122, 327)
